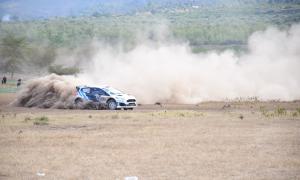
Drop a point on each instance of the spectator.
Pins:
(19, 82)
(4, 79)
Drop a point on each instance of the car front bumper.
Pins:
(126, 105)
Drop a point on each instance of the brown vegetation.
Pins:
(152, 142)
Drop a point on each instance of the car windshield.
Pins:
(112, 91)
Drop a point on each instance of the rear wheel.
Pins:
(78, 101)
(112, 104)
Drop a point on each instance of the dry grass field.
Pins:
(246, 140)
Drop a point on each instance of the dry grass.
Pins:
(74, 146)
(151, 144)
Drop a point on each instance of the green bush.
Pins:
(280, 111)
(60, 70)
(295, 114)
(41, 120)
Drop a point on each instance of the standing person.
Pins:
(4, 80)
(19, 82)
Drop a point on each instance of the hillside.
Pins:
(34, 9)
(202, 27)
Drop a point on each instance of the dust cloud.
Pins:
(51, 91)
(170, 72)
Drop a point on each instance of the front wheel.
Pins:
(112, 104)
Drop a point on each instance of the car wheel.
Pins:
(78, 101)
(112, 104)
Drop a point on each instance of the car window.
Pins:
(98, 91)
(86, 90)
(112, 91)
(101, 92)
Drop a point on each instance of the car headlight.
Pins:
(120, 99)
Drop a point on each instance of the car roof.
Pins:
(84, 86)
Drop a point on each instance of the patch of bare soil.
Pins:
(6, 98)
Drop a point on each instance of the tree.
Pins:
(42, 57)
(12, 53)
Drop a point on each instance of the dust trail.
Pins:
(48, 92)
(172, 73)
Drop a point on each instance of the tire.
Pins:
(111, 104)
(78, 101)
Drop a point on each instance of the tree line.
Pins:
(17, 55)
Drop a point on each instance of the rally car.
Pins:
(105, 98)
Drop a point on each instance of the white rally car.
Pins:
(106, 97)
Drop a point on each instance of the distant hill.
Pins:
(41, 9)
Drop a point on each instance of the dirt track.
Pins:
(248, 140)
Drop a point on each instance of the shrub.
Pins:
(280, 111)
(264, 111)
(26, 119)
(60, 70)
(158, 103)
(41, 120)
(241, 117)
(295, 114)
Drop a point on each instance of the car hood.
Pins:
(123, 96)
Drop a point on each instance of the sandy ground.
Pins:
(248, 140)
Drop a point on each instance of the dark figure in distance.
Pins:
(19, 82)
(4, 80)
